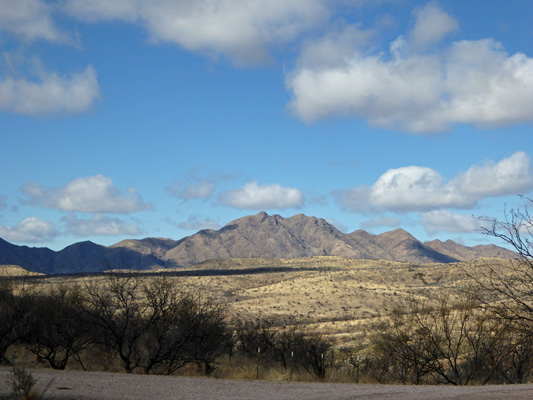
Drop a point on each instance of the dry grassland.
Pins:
(14, 270)
(331, 295)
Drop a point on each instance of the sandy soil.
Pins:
(104, 386)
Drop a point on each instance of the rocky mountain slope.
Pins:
(260, 235)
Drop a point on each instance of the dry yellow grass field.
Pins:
(334, 296)
(15, 270)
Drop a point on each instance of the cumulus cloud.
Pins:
(99, 225)
(30, 20)
(446, 221)
(432, 24)
(51, 94)
(241, 30)
(417, 188)
(339, 45)
(29, 230)
(366, 87)
(511, 175)
(46, 93)
(196, 224)
(197, 190)
(252, 196)
(93, 194)
(416, 88)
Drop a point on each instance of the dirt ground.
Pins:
(105, 386)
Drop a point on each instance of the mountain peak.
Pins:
(399, 232)
(260, 235)
(259, 217)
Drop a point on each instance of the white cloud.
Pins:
(198, 190)
(241, 30)
(417, 188)
(421, 91)
(196, 224)
(431, 25)
(93, 194)
(367, 87)
(30, 20)
(29, 230)
(51, 94)
(255, 197)
(45, 93)
(486, 86)
(512, 175)
(99, 225)
(405, 189)
(339, 45)
(446, 221)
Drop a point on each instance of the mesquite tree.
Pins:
(510, 289)
(56, 330)
(16, 301)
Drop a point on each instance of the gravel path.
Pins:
(103, 386)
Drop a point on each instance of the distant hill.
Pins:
(15, 270)
(260, 235)
(451, 248)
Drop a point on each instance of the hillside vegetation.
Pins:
(330, 295)
(316, 317)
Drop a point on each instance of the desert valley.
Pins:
(352, 307)
(290, 271)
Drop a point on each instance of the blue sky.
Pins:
(134, 118)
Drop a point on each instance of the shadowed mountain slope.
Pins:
(453, 249)
(34, 259)
(260, 235)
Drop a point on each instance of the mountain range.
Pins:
(260, 235)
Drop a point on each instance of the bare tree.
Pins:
(118, 316)
(313, 353)
(162, 342)
(252, 338)
(466, 343)
(508, 288)
(56, 331)
(275, 344)
(403, 350)
(517, 366)
(16, 301)
(202, 324)
(153, 326)
(182, 328)
(285, 344)
(449, 340)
